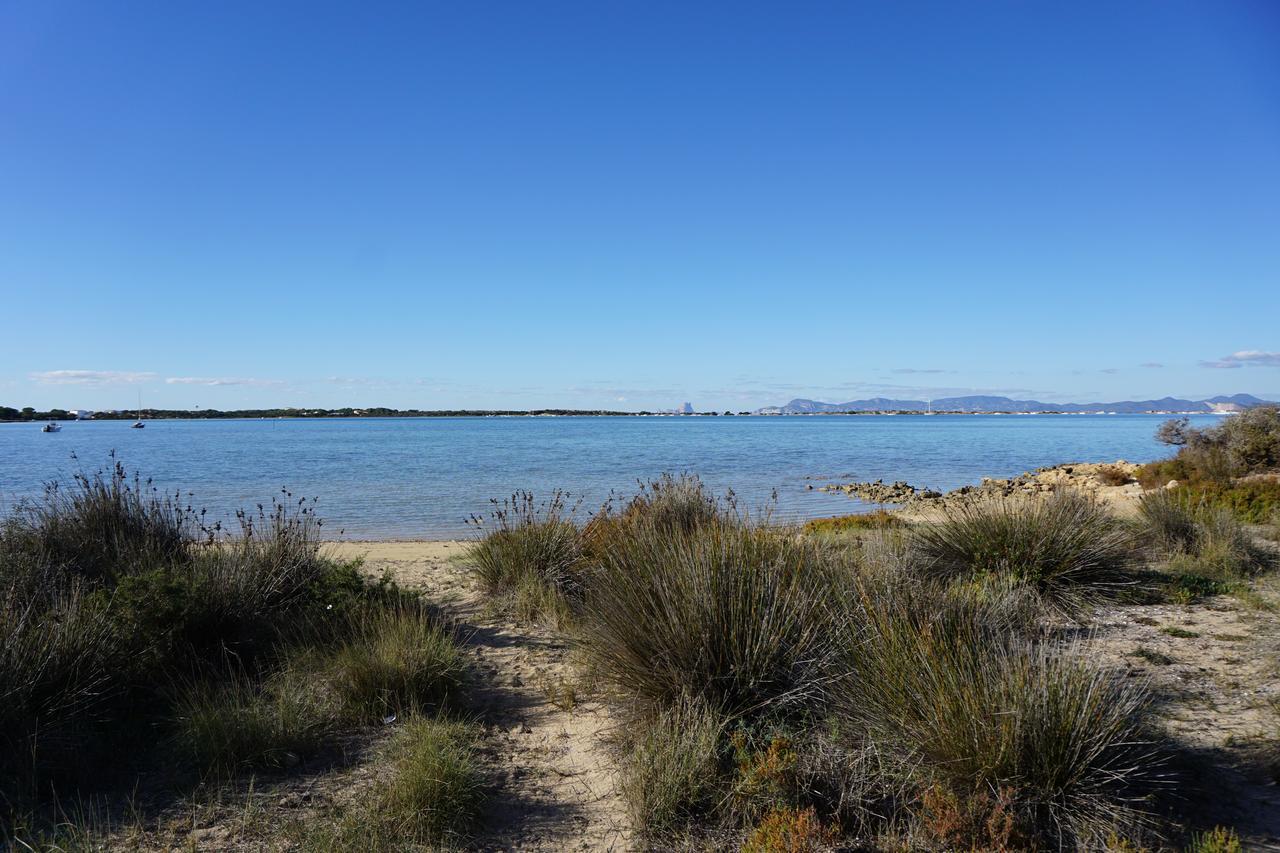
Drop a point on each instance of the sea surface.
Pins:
(385, 478)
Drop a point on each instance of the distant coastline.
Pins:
(345, 414)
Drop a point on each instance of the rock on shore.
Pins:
(1111, 482)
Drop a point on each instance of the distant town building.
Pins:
(686, 409)
(81, 414)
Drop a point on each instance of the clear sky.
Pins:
(629, 205)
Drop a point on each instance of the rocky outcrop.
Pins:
(880, 492)
(1093, 479)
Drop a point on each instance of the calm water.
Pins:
(386, 478)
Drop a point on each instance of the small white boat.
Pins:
(138, 424)
(51, 427)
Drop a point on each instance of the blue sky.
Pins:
(629, 205)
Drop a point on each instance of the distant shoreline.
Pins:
(253, 415)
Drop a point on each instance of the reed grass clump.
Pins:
(435, 788)
(398, 659)
(670, 772)
(1197, 538)
(968, 710)
(529, 555)
(1066, 547)
(732, 614)
(428, 799)
(234, 723)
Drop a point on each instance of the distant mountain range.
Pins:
(983, 403)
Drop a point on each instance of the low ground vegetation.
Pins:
(785, 689)
(123, 616)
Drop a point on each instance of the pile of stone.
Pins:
(880, 492)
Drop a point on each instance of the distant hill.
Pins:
(986, 403)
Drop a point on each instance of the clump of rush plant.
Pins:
(1167, 520)
(529, 555)
(670, 773)
(398, 658)
(670, 505)
(1198, 539)
(234, 723)
(1052, 740)
(429, 799)
(673, 504)
(733, 614)
(1065, 546)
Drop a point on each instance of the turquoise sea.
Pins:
(422, 477)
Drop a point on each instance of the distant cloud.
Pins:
(222, 380)
(1244, 358)
(1109, 370)
(920, 370)
(89, 377)
(1151, 364)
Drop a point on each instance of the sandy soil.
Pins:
(1214, 668)
(544, 741)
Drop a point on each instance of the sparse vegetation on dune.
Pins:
(792, 687)
(909, 686)
(128, 627)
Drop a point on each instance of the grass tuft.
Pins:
(530, 554)
(670, 772)
(975, 709)
(734, 614)
(398, 659)
(1067, 548)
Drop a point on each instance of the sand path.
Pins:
(545, 746)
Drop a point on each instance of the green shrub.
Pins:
(670, 774)
(398, 659)
(734, 614)
(1254, 500)
(530, 548)
(110, 594)
(973, 709)
(1243, 444)
(1064, 546)
(879, 519)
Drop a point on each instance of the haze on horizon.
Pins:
(629, 206)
